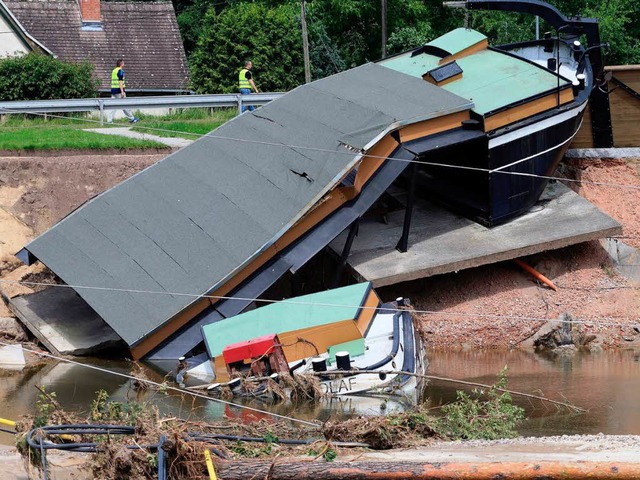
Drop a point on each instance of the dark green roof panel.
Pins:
(190, 222)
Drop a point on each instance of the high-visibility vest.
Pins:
(115, 81)
(242, 80)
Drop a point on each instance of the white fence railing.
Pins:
(135, 103)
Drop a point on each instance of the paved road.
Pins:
(127, 132)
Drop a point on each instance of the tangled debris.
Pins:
(116, 456)
(132, 440)
(398, 430)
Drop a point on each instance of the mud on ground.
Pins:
(36, 192)
(501, 306)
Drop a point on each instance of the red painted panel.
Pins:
(249, 349)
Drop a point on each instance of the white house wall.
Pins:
(10, 43)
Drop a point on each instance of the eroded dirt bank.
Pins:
(496, 306)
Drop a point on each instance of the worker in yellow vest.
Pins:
(245, 83)
(118, 91)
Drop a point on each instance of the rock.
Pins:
(11, 328)
(556, 335)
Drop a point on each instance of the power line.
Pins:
(350, 152)
(315, 304)
(162, 386)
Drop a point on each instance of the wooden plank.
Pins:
(443, 242)
(625, 111)
(528, 109)
(584, 137)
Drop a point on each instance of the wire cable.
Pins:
(163, 386)
(350, 152)
(383, 309)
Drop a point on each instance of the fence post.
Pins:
(239, 104)
(101, 108)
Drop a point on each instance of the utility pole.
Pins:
(305, 43)
(383, 8)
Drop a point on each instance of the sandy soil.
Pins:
(496, 306)
(38, 191)
(500, 305)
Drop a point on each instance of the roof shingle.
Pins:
(192, 221)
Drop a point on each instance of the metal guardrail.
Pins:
(136, 103)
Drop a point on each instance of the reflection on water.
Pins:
(606, 384)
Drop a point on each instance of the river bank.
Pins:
(495, 306)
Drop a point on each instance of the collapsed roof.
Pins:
(189, 224)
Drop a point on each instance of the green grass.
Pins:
(28, 132)
(66, 138)
(189, 124)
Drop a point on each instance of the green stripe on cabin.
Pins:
(354, 347)
(293, 314)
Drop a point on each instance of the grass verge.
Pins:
(67, 138)
(23, 132)
(30, 133)
(188, 123)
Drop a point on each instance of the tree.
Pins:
(354, 25)
(218, 35)
(326, 58)
(406, 38)
(619, 25)
(269, 37)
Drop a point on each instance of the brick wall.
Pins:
(90, 10)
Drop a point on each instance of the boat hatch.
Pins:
(444, 74)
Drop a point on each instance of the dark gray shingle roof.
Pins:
(189, 222)
(144, 33)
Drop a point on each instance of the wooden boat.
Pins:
(529, 99)
(475, 127)
(343, 337)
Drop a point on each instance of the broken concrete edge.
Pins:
(598, 153)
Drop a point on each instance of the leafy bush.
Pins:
(406, 38)
(106, 411)
(484, 415)
(40, 77)
(269, 37)
(45, 406)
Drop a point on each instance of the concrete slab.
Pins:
(633, 152)
(173, 142)
(576, 448)
(443, 242)
(627, 258)
(63, 322)
(12, 357)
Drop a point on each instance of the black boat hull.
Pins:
(500, 177)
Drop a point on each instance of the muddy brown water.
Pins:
(606, 384)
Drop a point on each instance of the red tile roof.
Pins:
(145, 34)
